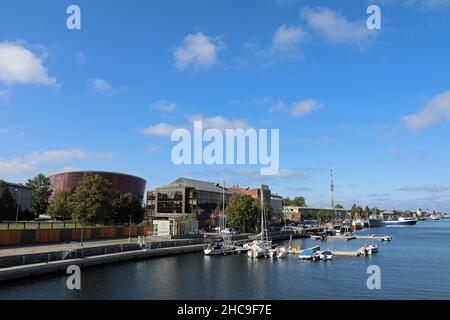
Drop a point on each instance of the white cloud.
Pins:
(160, 129)
(197, 51)
(287, 38)
(335, 27)
(279, 106)
(164, 106)
(4, 130)
(426, 188)
(286, 42)
(19, 65)
(33, 160)
(100, 85)
(219, 122)
(435, 111)
(216, 122)
(305, 107)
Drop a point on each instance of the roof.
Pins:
(96, 172)
(16, 185)
(201, 185)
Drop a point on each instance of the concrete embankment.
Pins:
(24, 271)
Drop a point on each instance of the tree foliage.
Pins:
(297, 201)
(60, 207)
(41, 192)
(242, 212)
(126, 205)
(324, 216)
(8, 205)
(91, 201)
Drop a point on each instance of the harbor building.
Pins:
(187, 204)
(255, 193)
(21, 194)
(69, 180)
(276, 202)
(300, 214)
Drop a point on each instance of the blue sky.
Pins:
(374, 105)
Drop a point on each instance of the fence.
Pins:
(39, 236)
(77, 252)
(37, 225)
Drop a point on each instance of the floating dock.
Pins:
(371, 237)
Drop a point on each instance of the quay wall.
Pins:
(40, 236)
(80, 252)
(61, 266)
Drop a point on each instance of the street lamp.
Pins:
(81, 232)
(18, 206)
(129, 230)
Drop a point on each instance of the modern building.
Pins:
(276, 202)
(69, 180)
(188, 199)
(299, 214)
(21, 194)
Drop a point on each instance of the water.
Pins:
(415, 265)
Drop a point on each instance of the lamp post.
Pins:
(81, 232)
(129, 230)
(18, 206)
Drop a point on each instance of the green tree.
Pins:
(367, 212)
(324, 216)
(124, 206)
(354, 211)
(242, 212)
(268, 210)
(8, 205)
(41, 192)
(338, 206)
(60, 207)
(91, 201)
(297, 201)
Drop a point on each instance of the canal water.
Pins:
(415, 265)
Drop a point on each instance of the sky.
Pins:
(373, 105)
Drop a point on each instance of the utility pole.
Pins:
(331, 190)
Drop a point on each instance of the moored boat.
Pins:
(307, 254)
(401, 222)
(375, 222)
(217, 247)
(326, 255)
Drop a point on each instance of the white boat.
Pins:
(260, 248)
(282, 252)
(326, 255)
(386, 238)
(278, 253)
(370, 249)
(307, 254)
(217, 248)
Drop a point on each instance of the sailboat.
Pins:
(222, 245)
(260, 247)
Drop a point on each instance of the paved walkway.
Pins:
(39, 248)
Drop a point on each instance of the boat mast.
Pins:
(262, 211)
(223, 205)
